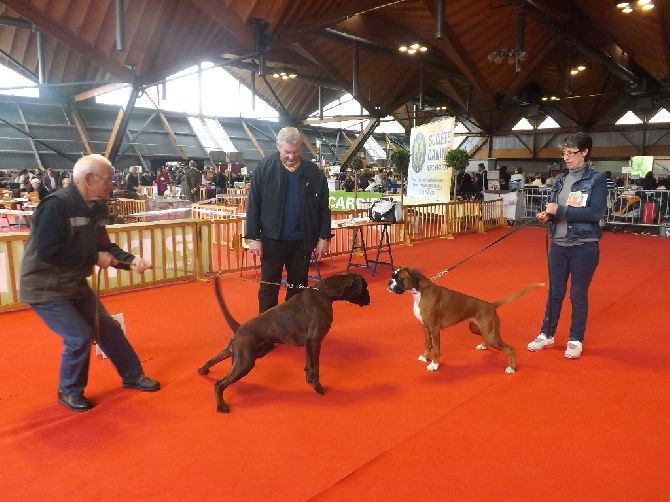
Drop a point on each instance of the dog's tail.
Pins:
(226, 313)
(518, 294)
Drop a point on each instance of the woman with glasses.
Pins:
(577, 203)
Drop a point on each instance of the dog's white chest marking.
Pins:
(415, 308)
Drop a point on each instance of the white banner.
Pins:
(429, 178)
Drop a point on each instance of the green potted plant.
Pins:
(456, 159)
(355, 163)
(399, 161)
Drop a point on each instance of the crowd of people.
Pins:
(41, 181)
(369, 179)
(469, 185)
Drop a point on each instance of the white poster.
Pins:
(429, 178)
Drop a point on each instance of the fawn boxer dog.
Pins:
(437, 307)
(302, 320)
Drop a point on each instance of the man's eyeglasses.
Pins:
(107, 181)
(569, 154)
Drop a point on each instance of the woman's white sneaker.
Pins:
(541, 342)
(574, 350)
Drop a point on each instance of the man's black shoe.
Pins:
(143, 383)
(74, 402)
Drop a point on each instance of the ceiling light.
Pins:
(413, 48)
(284, 73)
(512, 55)
(578, 68)
(640, 5)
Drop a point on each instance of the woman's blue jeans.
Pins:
(578, 263)
(74, 320)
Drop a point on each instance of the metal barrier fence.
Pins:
(638, 210)
(631, 210)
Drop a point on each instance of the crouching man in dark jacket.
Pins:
(67, 239)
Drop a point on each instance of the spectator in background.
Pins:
(162, 181)
(38, 187)
(649, 182)
(365, 177)
(611, 184)
(480, 177)
(65, 182)
(349, 183)
(504, 177)
(465, 187)
(23, 179)
(132, 182)
(220, 182)
(517, 177)
(193, 179)
(50, 180)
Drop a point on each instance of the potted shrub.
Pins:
(456, 159)
(399, 161)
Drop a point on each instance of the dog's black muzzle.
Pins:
(395, 284)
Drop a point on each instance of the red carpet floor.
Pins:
(386, 429)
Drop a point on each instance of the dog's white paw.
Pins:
(423, 358)
(433, 366)
(481, 346)
(509, 370)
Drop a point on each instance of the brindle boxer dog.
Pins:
(303, 320)
(437, 307)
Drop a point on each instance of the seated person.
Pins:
(517, 180)
(40, 189)
(465, 186)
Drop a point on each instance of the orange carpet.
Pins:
(386, 429)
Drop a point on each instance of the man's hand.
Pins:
(322, 248)
(139, 265)
(256, 248)
(106, 260)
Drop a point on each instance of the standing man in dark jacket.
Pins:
(193, 181)
(67, 238)
(288, 217)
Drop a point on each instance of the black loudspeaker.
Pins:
(236, 157)
(218, 156)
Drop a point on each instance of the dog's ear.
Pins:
(415, 275)
(361, 283)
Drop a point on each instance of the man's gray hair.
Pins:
(288, 135)
(88, 164)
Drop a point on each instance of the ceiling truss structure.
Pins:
(76, 50)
